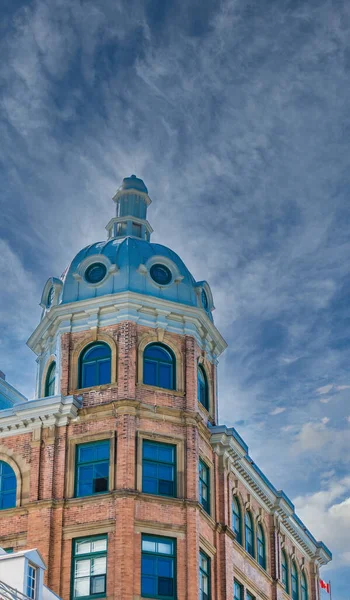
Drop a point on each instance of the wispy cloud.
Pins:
(238, 121)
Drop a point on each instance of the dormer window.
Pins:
(31, 582)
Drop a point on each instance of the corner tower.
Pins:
(118, 471)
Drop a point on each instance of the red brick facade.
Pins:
(126, 411)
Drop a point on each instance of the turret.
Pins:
(131, 200)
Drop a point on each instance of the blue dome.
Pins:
(135, 265)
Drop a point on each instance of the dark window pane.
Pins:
(148, 565)
(150, 373)
(165, 376)
(89, 375)
(100, 485)
(86, 453)
(150, 486)
(148, 585)
(150, 450)
(99, 351)
(165, 587)
(150, 470)
(166, 453)
(166, 488)
(102, 450)
(157, 352)
(9, 500)
(104, 372)
(166, 473)
(165, 567)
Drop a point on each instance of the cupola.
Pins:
(132, 201)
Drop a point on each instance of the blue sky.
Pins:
(236, 114)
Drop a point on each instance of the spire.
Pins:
(131, 200)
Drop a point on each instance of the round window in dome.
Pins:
(205, 300)
(160, 274)
(95, 273)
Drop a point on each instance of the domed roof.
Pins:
(134, 265)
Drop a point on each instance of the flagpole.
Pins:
(330, 590)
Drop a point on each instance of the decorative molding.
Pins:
(45, 412)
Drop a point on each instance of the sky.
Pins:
(236, 115)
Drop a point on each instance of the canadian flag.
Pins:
(324, 585)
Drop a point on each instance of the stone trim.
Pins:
(88, 529)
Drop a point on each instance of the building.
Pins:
(22, 576)
(118, 471)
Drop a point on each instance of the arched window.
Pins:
(249, 534)
(202, 387)
(285, 574)
(95, 365)
(50, 380)
(236, 520)
(261, 547)
(8, 485)
(304, 594)
(159, 366)
(295, 582)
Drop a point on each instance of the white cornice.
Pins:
(22, 418)
(227, 442)
(129, 306)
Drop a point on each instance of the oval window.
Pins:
(160, 274)
(95, 272)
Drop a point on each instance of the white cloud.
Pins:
(278, 410)
(327, 514)
(325, 389)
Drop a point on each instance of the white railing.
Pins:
(9, 593)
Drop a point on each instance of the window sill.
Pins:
(154, 388)
(97, 388)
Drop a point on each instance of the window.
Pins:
(8, 486)
(304, 594)
(202, 387)
(285, 576)
(159, 366)
(237, 591)
(295, 582)
(89, 567)
(236, 520)
(249, 596)
(95, 273)
(261, 547)
(95, 365)
(204, 486)
(249, 535)
(92, 468)
(204, 576)
(158, 468)
(161, 274)
(9, 550)
(31, 582)
(136, 229)
(50, 380)
(158, 567)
